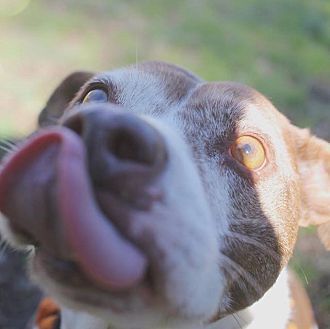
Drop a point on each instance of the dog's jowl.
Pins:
(151, 198)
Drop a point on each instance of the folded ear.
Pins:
(313, 162)
(61, 97)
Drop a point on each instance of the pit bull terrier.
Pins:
(150, 198)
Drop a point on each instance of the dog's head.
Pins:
(152, 196)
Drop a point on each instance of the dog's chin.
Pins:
(141, 305)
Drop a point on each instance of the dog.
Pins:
(150, 198)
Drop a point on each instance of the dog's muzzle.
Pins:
(70, 188)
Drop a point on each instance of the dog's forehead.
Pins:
(157, 87)
(155, 82)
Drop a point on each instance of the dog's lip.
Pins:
(78, 286)
(101, 252)
(68, 270)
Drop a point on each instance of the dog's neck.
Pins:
(276, 300)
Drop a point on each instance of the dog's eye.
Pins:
(249, 151)
(96, 95)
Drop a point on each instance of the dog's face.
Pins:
(159, 197)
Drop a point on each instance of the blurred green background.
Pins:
(280, 47)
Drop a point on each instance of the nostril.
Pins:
(128, 147)
(76, 124)
(116, 141)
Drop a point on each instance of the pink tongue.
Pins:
(102, 253)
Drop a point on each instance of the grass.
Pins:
(279, 47)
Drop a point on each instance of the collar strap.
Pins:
(48, 315)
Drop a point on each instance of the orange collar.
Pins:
(48, 315)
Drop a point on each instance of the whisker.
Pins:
(136, 52)
(236, 318)
(51, 119)
(5, 148)
(243, 273)
(7, 145)
(303, 273)
(235, 277)
(3, 246)
(8, 142)
(246, 239)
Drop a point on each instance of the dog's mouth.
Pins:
(46, 193)
(112, 233)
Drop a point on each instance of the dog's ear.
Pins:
(313, 160)
(61, 97)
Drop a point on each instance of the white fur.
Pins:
(200, 276)
(141, 92)
(272, 311)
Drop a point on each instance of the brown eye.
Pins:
(96, 96)
(249, 151)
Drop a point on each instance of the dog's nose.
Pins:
(124, 151)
